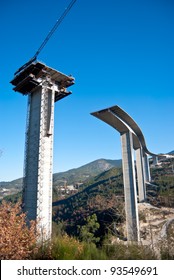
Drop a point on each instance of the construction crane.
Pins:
(58, 22)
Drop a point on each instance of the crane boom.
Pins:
(58, 22)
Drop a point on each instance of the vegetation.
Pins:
(102, 197)
(163, 178)
(82, 174)
(17, 240)
(85, 172)
(90, 223)
(130, 251)
(86, 232)
(14, 198)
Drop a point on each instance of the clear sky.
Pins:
(120, 53)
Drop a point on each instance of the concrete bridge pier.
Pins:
(140, 175)
(131, 208)
(155, 160)
(37, 185)
(147, 176)
(44, 86)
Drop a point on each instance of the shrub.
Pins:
(91, 252)
(17, 240)
(66, 248)
(128, 251)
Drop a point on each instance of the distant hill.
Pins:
(85, 172)
(81, 174)
(15, 183)
(10, 188)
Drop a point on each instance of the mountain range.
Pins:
(72, 176)
(85, 172)
(81, 174)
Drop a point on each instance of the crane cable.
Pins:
(58, 22)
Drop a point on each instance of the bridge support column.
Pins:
(140, 175)
(37, 190)
(131, 209)
(44, 86)
(155, 160)
(146, 168)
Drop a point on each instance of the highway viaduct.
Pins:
(132, 139)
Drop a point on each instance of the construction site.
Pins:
(144, 222)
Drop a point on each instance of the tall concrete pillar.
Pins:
(146, 168)
(155, 160)
(140, 175)
(37, 191)
(44, 86)
(132, 220)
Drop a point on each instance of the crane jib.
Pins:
(58, 22)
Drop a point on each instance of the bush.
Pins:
(17, 240)
(128, 251)
(91, 252)
(66, 248)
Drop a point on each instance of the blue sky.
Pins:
(120, 53)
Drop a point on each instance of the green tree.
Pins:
(87, 232)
